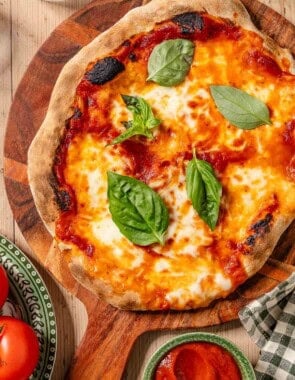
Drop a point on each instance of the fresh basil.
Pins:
(143, 119)
(203, 190)
(170, 62)
(239, 108)
(137, 210)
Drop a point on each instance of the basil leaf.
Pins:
(143, 119)
(142, 111)
(203, 190)
(239, 108)
(137, 210)
(131, 131)
(170, 62)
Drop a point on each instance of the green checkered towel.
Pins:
(270, 321)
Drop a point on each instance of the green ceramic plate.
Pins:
(29, 292)
(243, 363)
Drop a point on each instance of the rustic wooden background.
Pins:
(24, 25)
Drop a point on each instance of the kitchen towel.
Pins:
(270, 322)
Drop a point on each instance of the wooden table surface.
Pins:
(24, 25)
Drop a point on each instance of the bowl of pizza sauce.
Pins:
(195, 356)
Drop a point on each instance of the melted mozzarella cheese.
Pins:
(161, 265)
(105, 230)
(199, 288)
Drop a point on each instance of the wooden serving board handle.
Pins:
(110, 332)
(106, 344)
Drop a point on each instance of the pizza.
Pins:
(165, 166)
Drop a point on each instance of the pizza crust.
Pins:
(129, 300)
(40, 160)
(265, 245)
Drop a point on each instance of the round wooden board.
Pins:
(109, 330)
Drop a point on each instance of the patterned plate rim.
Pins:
(28, 283)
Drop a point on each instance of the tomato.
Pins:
(3, 286)
(19, 349)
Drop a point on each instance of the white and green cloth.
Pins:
(270, 322)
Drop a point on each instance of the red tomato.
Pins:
(19, 349)
(3, 286)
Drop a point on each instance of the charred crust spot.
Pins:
(259, 228)
(63, 199)
(126, 43)
(251, 240)
(189, 22)
(56, 160)
(105, 70)
(263, 225)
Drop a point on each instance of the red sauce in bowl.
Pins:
(198, 361)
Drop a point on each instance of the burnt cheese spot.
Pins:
(105, 70)
(77, 114)
(132, 57)
(189, 22)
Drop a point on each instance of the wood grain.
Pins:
(24, 25)
(109, 330)
(275, 25)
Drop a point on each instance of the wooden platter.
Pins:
(109, 330)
